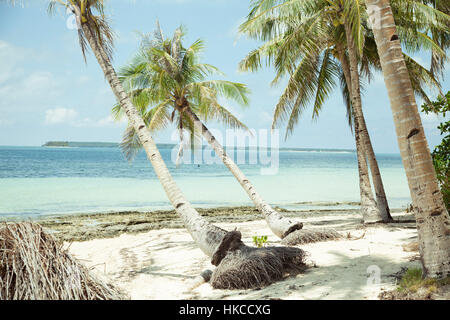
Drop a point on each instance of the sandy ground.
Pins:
(166, 263)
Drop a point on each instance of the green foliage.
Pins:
(305, 42)
(165, 79)
(441, 153)
(92, 15)
(412, 280)
(260, 241)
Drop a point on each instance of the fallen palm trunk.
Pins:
(34, 266)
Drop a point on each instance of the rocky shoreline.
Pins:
(84, 227)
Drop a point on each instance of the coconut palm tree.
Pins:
(238, 266)
(303, 38)
(307, 41)
(432, 218)
(170, 78)
(94, 33)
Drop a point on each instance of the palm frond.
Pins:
(130, 144)
(326, 81)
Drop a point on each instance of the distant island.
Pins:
(78, 144)
(75, 144)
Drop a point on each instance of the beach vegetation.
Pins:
(441, 153)
(260, 241)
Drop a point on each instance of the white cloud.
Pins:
(6, 122)
(83, 80)
(10, 56)
(72, 118)
(265, 117)
(40, 82)
(60, 115)
(109, 121)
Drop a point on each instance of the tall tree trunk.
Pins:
(207, 236)
(380, 194)
(433, 221)
(279, 225)
(371, 213)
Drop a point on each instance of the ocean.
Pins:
(39, 181)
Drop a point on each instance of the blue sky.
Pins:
(47, 92)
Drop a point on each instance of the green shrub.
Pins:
(260, 241)
(441, 154)
(413, 280)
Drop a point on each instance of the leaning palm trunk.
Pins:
(380, 194)
(369, 208)
(433, 221)
(279, 225)
(238, 266)
(207, 236)
(370, 211)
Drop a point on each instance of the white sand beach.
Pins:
(166, 263)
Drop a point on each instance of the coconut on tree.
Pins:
(308, 42)
(168, 83)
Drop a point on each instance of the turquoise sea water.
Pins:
(36, 181)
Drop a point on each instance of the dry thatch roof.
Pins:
(33, 265)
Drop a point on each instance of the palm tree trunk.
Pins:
(370, 211)
(206, 235)
(433, 221)
(380, 194)
(279, 225)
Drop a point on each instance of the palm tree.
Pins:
(170, 77)
(305, 38)
(95, 32)
(310, 48)
(432, 218)
(238, 266)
